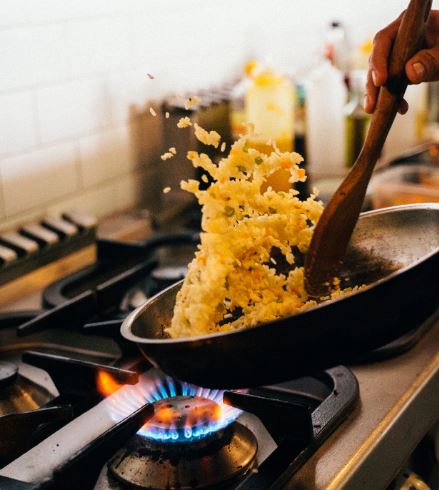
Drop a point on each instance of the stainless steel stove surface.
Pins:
(103, 418)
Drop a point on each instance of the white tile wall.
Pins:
(43, 11)
(99, 45)
(72, 109)
(106, 155)
(73, 81)
(17, 123)
(113, 195)
(130, 88)
(38, 177)
(32, 56)
(13, 12)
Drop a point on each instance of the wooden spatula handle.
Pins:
(409, 39)
(334, 229)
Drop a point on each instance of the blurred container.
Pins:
(405, 184)
(325, 97)
(212, 114)
(269, 106)
(361, 55)
(300, 136)
(237, 101)
(356, 119)
(408, 130)
(337, 48)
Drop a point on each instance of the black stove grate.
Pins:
(76, 382)
(299, 415)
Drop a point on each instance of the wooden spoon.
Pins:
(334, 229)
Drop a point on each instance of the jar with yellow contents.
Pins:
(269, 106)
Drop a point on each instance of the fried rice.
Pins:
(234, 280)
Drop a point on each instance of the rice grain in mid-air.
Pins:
(167, 156)
(184, 122)
(191, 101)
(207, 137)
(166, 190)
(153, 112)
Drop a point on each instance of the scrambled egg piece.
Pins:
(184, 122)
(233, 281)
(207, 137)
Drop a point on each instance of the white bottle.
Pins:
(326, 98)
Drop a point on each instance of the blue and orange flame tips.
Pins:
(183, 412)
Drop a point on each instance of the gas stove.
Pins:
(186, 437)
(79, 408)
(107, 427)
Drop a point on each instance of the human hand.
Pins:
(422, 67)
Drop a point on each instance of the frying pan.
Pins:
(394, 251)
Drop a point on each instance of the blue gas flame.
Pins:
(154, 386)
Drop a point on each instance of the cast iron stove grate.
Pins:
(299, 415)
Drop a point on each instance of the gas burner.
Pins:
(183, 412)
(19, 394)
(183, 419)
(8, 373)
(216, 460)
(191, 426)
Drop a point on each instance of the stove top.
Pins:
(83, 410)
(187, 437)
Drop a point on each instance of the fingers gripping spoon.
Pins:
(334, 229)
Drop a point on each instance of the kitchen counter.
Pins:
(399, 403)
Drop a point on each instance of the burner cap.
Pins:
(183, 419)
(8, 373)
(192, 465)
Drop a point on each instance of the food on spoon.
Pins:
(248, 232)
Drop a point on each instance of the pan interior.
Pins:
(383, 243)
